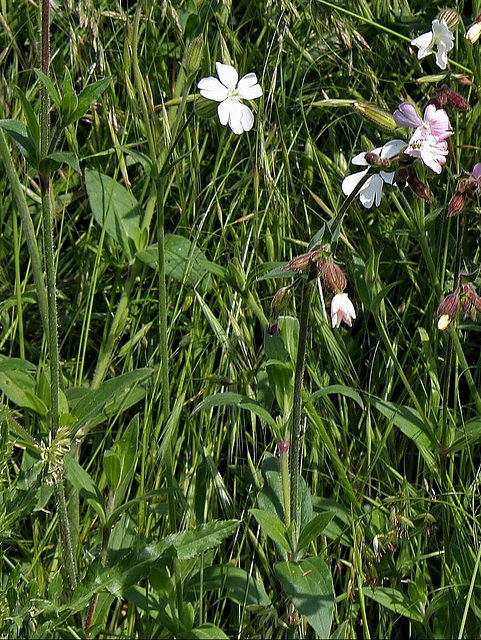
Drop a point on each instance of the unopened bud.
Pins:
(302, 262)
(401, 176)
(456, 204)
(279, 302)
(205, 108)
(380, 117)
(284, 446)
(449, 98)
(450, 17)
(448, 310)
(193, 55)
(419, 188)
(333, 276)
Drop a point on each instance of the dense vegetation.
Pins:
(145, 488)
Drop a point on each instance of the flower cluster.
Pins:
(428, 142)
(467, 188)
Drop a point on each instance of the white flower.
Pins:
(441, 37)
(371, 190)
(228, 90)
(342, 309)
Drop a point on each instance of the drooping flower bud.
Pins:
(451, 99)
(333, 275)
(193, 55)
(456, 204)
(448, 310)
(419, 188)
(304, 261)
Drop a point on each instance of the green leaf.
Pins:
(51, 88)
(22, 136)
(191, 543)
(116, 209)
(314, 529)
(229, 398)
(112, 469)
(309, 585)
(87, 97)
(184, 261)
(56, 159)
(93, 406)
(394, 600)
(69, 98)
(412, 425)
(31, 117)
(336, 389)
(20, 387)
(273, 527)
(241, 587)
(207, 631)
(85, 485)
(466, 436)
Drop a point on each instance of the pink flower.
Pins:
(477, 170)
(428, 141)
(342, 310)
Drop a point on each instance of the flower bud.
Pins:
(381, 118)
(474, 30)
(302, 262)
(449, 98)
(279, 302)
(450, 17)
(193, 55)
(419, 188)
(456, 204)
(333, 276)
(448, 310)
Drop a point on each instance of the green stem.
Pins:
(49, 255)
(285, 479)
(465, 367)
(28, 230)
(297, 401)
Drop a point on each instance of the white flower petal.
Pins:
(387, 176)
(371, 192)
(212, 89)
(223, 111)
(350, 182)
(360, 159)
(227, 75)
(424, 42)
(441, 57)
(247, 118)
(248, 87)
(392, 148)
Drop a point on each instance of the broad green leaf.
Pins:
(15, 364)
(230, 398)
(116, 209)
(240, 587)
(314, 529)
(20, 387)
(93, 406)
(273, 527)
(394, 600)
(466, 436)
(127, 571)
(412, 425)
(184, 261)
(207, 630)
(87, 97)
(337, 389)
(30, 116)
(69, 101)
(56, 159)
(112, 469)
(51, 88)
(308, 584)
(85, 485)
(22, 136)
(191, 543)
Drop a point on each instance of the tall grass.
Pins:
(168, 458)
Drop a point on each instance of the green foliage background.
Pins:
(389, 452)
